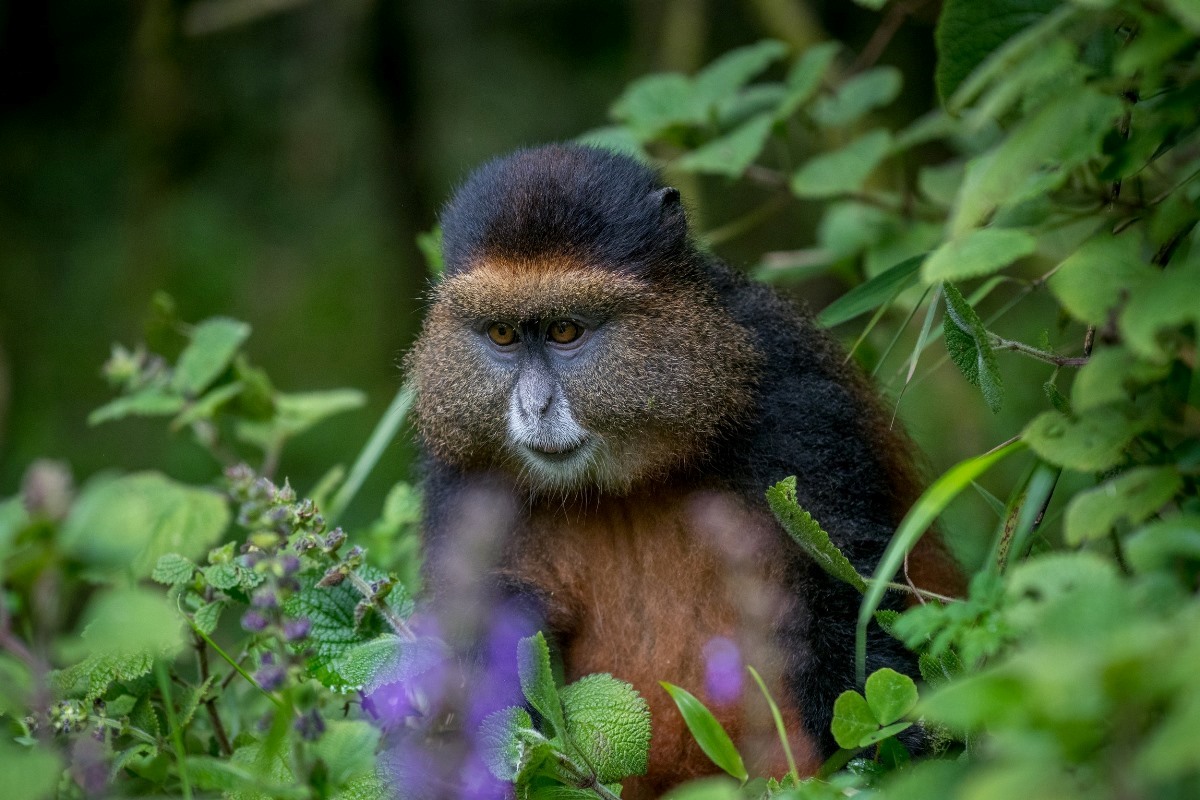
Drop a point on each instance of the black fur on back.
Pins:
(567, 200)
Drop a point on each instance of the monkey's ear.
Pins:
(666, 197)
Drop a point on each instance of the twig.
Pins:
(1000, 343)
(394, 620)
(884, 34)
(210, 703)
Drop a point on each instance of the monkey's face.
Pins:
(575, 377)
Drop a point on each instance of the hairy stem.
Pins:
(210, 704)
(394, 620)
(1000, 343)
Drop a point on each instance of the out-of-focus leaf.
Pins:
(804, 78)
(977, 253)
(1165, 300)
(152, 401)
(1112, 375)
(297, 412)
(1099, 276)
(1132, 496)
(730, 154)
(499, 743)
(29, 773)
(537, 680)
(214, 344)
(967, 32)
(1089, 443)
(842, 171)
(864, 92)
(870, 295)
(735, 69)
(1162, 543)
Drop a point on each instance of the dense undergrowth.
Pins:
(158, 638)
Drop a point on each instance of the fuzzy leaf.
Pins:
(890, 695)
(609, 723)
(365, 665)
(1090, 443)
(1162, 543)
(348, 749)
(537, 680)
(1098, 277)
(852, 720)
(130, 522)
(1113, 375)
(969, 347)
(804, 77)
(807, 533)
(499, 744)
(207, 616)
(977, 253)
(90, 678)
(1165, 300)
(842, 171)
(214, 344)
(1132, 496)
(707, 731)
(732, 153)
(173, 569)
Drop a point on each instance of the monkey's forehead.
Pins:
(520, 291)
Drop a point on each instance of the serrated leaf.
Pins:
(499, 745)
(190, 698)
(214, 344)
(608, 722)
(173, 569)
(734, 69)
(732, 153)
(804, 77)
(852, 720)
(537, 680)
(870, 295)
(128, 523)
(90, 678)
(1092, 442)
(977, 253)
(1132, 497)
(707, 731)
(807, 533)
(207, 616)
(969, 347)
(890, 695)
(842, 171)
(1099, 276)
(152, 401)
(365, 665)
(223, 576)
(365, 787)
(864, 92)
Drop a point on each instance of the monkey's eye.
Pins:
(502, 333)
(564, 331)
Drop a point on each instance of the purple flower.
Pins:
(310, 726)
(722, 670)
(254, 621)
(294, 629)
(270, 677)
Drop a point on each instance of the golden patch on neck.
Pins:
(528, 290)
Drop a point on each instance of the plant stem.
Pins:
(236, 666)
(1000, 343)
(388, 424)
(164, 686)
(393, 619)
(779, 728)
(210, 704)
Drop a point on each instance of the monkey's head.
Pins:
(575, 340)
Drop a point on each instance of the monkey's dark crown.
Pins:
(583, 203)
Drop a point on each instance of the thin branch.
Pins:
(210, 703)
(394, 620)
(884, 34)
(1000, 343)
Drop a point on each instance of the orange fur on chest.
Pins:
(639, 585)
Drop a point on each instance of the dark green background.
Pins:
(276, 165)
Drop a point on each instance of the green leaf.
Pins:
(842, 171)
(152, 401)
(977, 253)
(1186, 11)
(1036, 157)
(883, 733)
(1161, 544)
(717, 788)
(127, 524)
(348, 749)
(609, 723)
(890, 695)
(499, 743)
(1165, 300)
(1098, 277)
(297, 412)
(1113, 375)
(366, 665)
(805, 75)
(652, 104)
(1132, 496)
(708, 732)
(807, 533)
(537, 680)
(1089, 443)
(864, 92)
(615, 139)
(207, 406)
(430, 244)
(852, 720)
(173, 569)
(29, 773)
(732, 153)
(873, 293)
(214, 344)
(734, 69)
(208, 615)
(968, 31)
(969, 347)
